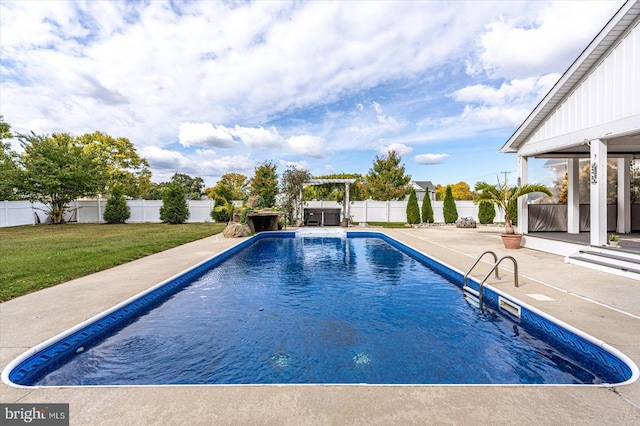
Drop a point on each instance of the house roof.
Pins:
(423, 185)
(579, 70)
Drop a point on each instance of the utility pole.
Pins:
(505, 176)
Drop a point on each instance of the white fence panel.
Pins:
(87, 211)
(200, 211)
(14, 213)
(144, 210)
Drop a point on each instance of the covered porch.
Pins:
(590, 120)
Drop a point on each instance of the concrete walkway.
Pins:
(603, 305)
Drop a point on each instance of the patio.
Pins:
(603, 305)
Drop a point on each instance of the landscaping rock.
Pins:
(252, 201)
(466, 222)
(236, 230)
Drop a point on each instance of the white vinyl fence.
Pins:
(14, 213)
(396, 211)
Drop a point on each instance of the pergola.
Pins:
(346, 182)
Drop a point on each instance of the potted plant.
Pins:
(614, 240)
(503, 196)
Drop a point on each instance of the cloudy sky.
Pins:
(210, 87)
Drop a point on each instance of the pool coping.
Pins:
(47, 390)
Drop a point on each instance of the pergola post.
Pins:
(347, 216)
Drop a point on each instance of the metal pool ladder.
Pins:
(477, 294)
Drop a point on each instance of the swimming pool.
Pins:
(281, 309)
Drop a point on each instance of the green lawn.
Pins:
(387, 224)
(36, 257)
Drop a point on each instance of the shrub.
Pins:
(174, 208)
(427, 209)
(221, 209)
(449, 207)
(413, 211)
(486, 213)
(117, 210)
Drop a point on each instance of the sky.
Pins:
(211, 87)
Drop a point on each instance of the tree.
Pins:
(8, 163)
(192, 187)
(119, 161)
(449, 206)
(427, 208)
(291, 186)
(563, 193)
(505, 198)
(117, 210)
(155, 191)
(486, 213)
(55, 170)
(231, 186)
(386, 179)
(265, 183)
(174, 208)
(413, 211)
(461, 191)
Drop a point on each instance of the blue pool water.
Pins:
(322, 310)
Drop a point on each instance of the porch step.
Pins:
(619, 262)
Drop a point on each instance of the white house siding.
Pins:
(608, 94)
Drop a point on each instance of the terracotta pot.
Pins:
(511, 241)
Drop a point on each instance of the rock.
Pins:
(237, 216)
(466, 222)
(236, 230)
(252, 201)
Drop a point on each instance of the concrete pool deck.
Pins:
(603, 305)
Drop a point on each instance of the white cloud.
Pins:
(204, 163)
(546, 42)
(165, 159)
(258, 137)
(430, 159)
(204, 134)
(401, 149)
(307, 146)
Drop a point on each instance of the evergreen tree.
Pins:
(413, 211)
(265, 183)
(427, 208)
(117, 210)
(449, 206)
(386, 180)
(486, 213)
(174, 208)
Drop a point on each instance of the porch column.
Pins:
(523, 209)
(598, 199)
(624, 195)
(573, 200)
